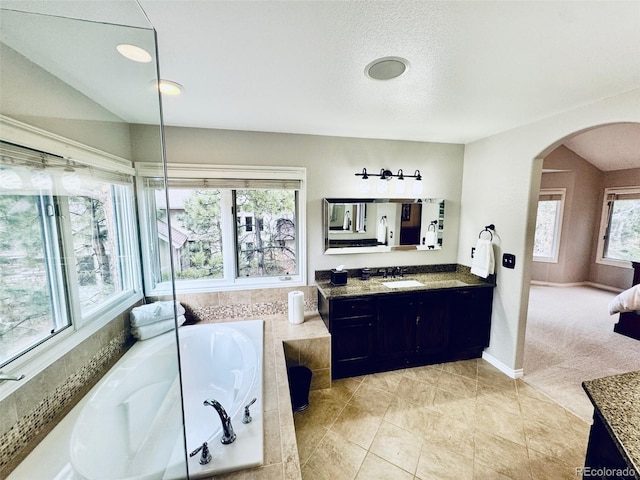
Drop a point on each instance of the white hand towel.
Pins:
(154, 312)
(347, 220)
(483, 259)
(431, 238)
(154, 329)
(382, 232)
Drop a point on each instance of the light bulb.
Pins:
(41, 180)
(71, 182)
(416, 188)
(383, 186)
(10, 180)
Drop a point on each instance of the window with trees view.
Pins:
(67, 246)
(227, 231)
(620, 226)
(546, 243)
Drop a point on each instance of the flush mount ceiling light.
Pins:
(134, 53)
(386, 68)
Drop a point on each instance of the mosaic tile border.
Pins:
(23, 436)
(210, 313)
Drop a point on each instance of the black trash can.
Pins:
(299, 385)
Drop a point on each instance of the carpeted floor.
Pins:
(569, 339)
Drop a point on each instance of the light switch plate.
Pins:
(508, 260)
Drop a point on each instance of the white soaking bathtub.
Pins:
(130, 428)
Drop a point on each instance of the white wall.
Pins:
(500, 186)
(331, 163)
(34, 96)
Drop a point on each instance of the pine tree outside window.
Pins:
(619, 241)
(244, 231)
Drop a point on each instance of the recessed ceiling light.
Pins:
(386, 68)
(167, 87)
(134, 53)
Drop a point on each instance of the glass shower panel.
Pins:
(71, 109)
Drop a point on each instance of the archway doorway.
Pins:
(569, 335)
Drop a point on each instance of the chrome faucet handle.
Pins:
(247, 415)
(205, 457)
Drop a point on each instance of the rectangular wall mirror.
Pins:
(375, 225)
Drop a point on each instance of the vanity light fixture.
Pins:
(385, 175)
(417, 187)
(134, 53)
(399, 186)
(365, 186)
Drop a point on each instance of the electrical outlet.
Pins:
(509, 260)
(473, 251)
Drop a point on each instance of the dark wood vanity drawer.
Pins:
(352, 307)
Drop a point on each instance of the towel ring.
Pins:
(432, 226)
(487, 229)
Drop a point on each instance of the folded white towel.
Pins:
(154, 329)
(430, 238)
(154, 312)
(483, 259)
(627, 301)
(381, 235)
(346, 222)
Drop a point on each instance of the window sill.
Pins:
(39, 358)
(614, 263)
(545, 260)
(203, 286)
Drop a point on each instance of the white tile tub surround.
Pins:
(50, 459)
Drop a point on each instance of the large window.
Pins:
(546, 244)
(67, 246)
(226, 228)
(620, 227)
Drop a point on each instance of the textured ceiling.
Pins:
(476, 68)
(612, 147)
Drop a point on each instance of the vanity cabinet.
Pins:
(604, 460)
(378, 332)
(411, 328)
(352, 327)
(470, 320)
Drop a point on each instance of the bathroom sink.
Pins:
(403, 284)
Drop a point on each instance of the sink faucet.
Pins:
(6, 376)
(228, 435)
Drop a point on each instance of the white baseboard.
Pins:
(577, 284)
(510, 372)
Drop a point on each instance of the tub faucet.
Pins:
(228, 435)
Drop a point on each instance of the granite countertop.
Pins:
(430, 281)
(617, 399)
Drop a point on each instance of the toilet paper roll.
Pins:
(296, 307)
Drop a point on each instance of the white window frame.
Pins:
(558, 224)
(604, 226)
(36, 359)
(230, 280)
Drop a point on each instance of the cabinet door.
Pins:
(432, 323)
(352, 346)
(396, 330)
(471, 318)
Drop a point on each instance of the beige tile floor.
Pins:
(461, 420)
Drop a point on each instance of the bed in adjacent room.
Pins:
(627, 304)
